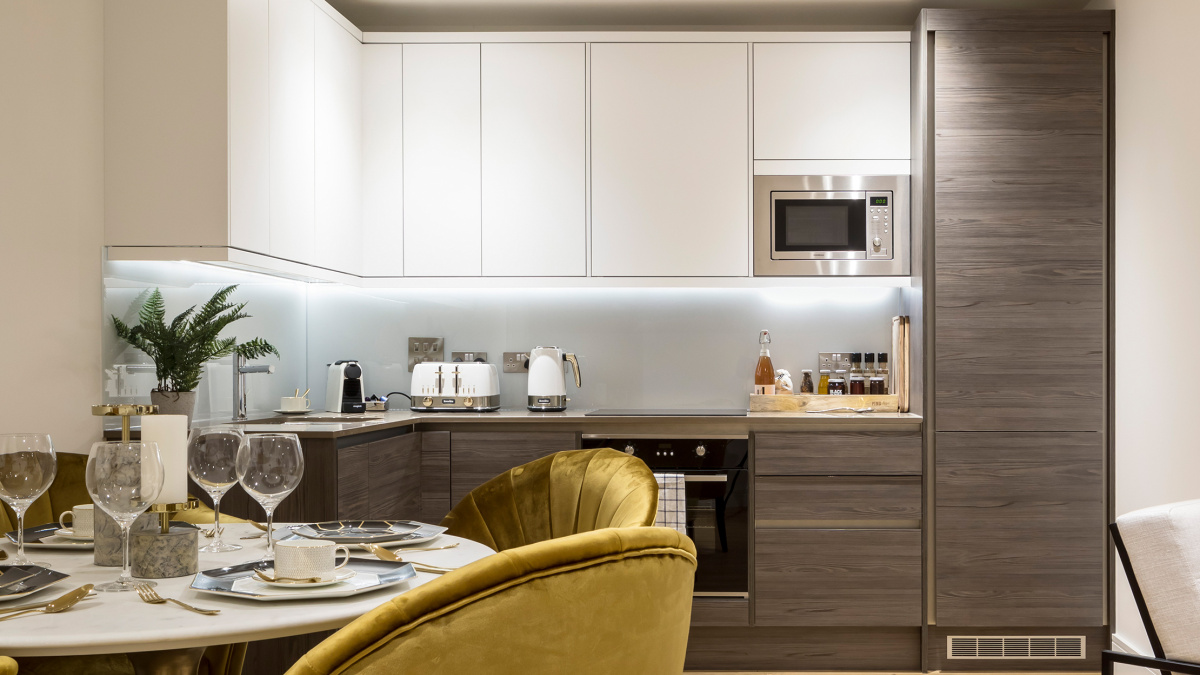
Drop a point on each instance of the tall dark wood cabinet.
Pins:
(1012, 133)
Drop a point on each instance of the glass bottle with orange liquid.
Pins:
(764, 374)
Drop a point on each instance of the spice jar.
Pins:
(837, 384)
(806, 382)
(823, 384)
(857, 385)
(877, 386)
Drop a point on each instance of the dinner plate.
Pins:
(370, 531)
(68, 533)
(339, 577)
(32, 579)
(237, 581)
(43, 536)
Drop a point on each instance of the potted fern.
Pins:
(181, 348)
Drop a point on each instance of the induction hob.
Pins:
(666, 412)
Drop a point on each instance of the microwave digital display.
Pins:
(879, 201)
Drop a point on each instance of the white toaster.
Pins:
(455, 387)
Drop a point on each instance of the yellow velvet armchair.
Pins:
(616, 600)
(69, 488)
(7, 666)
(555, 496)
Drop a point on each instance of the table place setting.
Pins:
(327, 574)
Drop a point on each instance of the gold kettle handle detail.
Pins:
(570, 358)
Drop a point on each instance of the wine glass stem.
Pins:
(270, 539)
(21, 536)
(217, 519)
(126, 577)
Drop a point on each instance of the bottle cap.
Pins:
(856, 356)
(883, 357)
(869, 357)
(764, 338)
(824, 370)
(806, 370)
(840, 371)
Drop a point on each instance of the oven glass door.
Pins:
(818, 225)
(718, 522)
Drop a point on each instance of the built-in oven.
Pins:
(717, 496)
(831, 225)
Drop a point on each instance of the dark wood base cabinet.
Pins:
(791, 649)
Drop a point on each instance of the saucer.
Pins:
(294, 412)
(69, 533)
(338, 577)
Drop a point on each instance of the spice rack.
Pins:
(896, 402)
(818, 403)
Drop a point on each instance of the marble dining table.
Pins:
(165, 639)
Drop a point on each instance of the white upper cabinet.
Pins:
(249, 127)
(534, 202)
(670, 159)
(383, 160)
(442, 218)
(338, 148)
(831, 100)
(292, 73)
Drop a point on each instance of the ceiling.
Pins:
(489, 15)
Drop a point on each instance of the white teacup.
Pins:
(308, 559)
(83, 519)
(293, 403)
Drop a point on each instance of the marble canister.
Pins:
(108, 537)
(158, 555)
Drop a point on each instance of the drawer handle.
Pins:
(694, 478)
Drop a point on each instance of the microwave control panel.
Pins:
(879, 226)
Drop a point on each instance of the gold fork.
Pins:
(149, 595)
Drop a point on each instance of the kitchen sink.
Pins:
(310, 419)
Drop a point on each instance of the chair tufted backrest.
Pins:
(595, 603)
(1163, 545)
(555, 496)
(67, 490)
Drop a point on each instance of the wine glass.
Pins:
(124, 479)
(27, 468)
(212, 464)
(269, 467)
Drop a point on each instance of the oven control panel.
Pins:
(679, 453)
(879, 226)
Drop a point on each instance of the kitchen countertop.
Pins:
(354, 424)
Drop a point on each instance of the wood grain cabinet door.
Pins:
(1019, 523)
(1019, 232)
(478, 456)
(833, 453)
(837, 577)
(395, 478)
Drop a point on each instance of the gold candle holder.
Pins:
(125, 411)
(167, 511)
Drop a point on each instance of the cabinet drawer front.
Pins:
(878, 453)
(478, 456)
(837, 577)
(837, 501)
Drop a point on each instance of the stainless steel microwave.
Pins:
(831, 226)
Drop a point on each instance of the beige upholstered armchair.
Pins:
(1159, 548)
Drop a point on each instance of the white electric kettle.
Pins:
(547, 379)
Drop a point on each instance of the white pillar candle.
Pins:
(170, 432)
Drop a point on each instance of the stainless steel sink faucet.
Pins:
(240, 369)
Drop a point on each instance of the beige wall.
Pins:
(1157, 275)
(51, 216)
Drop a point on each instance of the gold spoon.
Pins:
(406, 549)
(285, 580)
(39, 605)
(58, 605)
(3, 555)
(384, 554)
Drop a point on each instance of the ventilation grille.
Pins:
(1015, 647)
